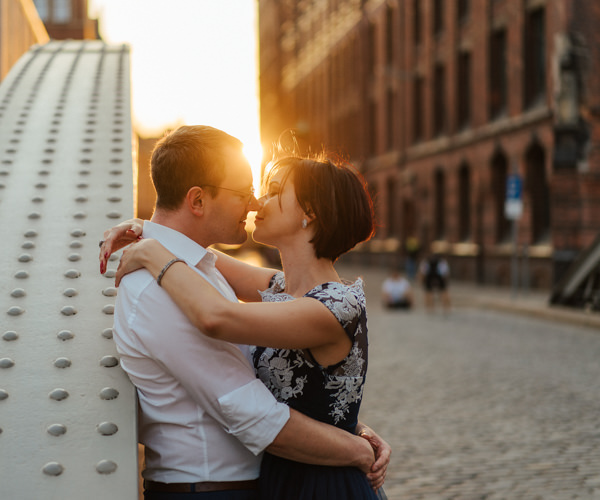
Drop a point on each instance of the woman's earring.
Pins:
(304, 223)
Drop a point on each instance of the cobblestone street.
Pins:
(481, 404)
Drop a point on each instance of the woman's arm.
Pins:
(298, 324)
(118, 237)
(244, 278)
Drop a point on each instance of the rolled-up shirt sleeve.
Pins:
(216, 374)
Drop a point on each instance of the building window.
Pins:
(42, 8)
(391, 208)
(439, 211)
(418, 95)
(498, 74)
(390, 120)
(539, 196)
(389, 34)
(464, 90)
(439, 100)
(462, 10)
(438, 17)
(417, 21)
(464, 203)
(534, 57)
(499, 174)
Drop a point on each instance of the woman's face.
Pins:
(279, 217)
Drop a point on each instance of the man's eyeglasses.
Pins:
(248, 194)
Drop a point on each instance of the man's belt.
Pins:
(200, 487)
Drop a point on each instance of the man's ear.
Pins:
(194, 200)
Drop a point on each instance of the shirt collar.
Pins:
(179, 244)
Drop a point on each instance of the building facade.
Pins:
(438, 102)
(67, 19)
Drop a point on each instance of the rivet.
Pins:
(68, 311)
(75, 244)
(114, 257)
(25, 257)
(79, 215)
(110, 291)
(115, 185)
(62, 362)
(82, 185)
(34, 215)
(44, 172)
(3, 394)
(28, 245)
(77, 233)
(107, 428)
(31, 233)
(56, 429)
(70, 292)
(65, 335)
(109, 361)
(18, 292)
(106, 467)
(53, 469)
(85, 161)
(74, 257)
(41, 185)
(110, 273)
(37, 199)
(21, 275)
(72, 273)
(16, 311)
(85, 172)
(107, 333)
(109, 393)
(6, 363)
(10, 336)
(114, 215)
(81, 199)
(58, 394)
(115, 199)
(108, 309)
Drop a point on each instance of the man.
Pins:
(205, 418)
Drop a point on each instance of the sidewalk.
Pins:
(530, 303)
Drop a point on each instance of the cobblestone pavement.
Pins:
(482, 404)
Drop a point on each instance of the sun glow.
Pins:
(192, 62)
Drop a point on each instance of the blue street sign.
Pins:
(513, 204)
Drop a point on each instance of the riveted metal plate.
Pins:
(67, 410)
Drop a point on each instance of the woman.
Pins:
(313, 323)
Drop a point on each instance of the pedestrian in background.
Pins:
(435, 272)
(396, 291)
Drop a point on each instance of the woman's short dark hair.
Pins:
(186, 157)
(336, 194)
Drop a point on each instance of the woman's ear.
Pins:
(195, 200)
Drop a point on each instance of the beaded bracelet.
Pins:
(166, 268)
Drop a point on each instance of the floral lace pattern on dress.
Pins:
(331, 394)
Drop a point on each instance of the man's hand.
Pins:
(383, 452)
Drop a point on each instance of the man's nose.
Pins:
(253, 204)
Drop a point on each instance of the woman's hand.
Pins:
(118, 237)
(383, 452)
(131, 260)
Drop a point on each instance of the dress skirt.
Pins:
(282, 479)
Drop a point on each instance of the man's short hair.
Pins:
(186, 157)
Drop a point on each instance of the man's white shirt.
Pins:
(204, 414)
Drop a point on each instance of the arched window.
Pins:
(392, 222)
(499, 168)
(539, 196)
(464, 202)
(439, 198)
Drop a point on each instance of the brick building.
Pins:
(438, 102)
(67, 19)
